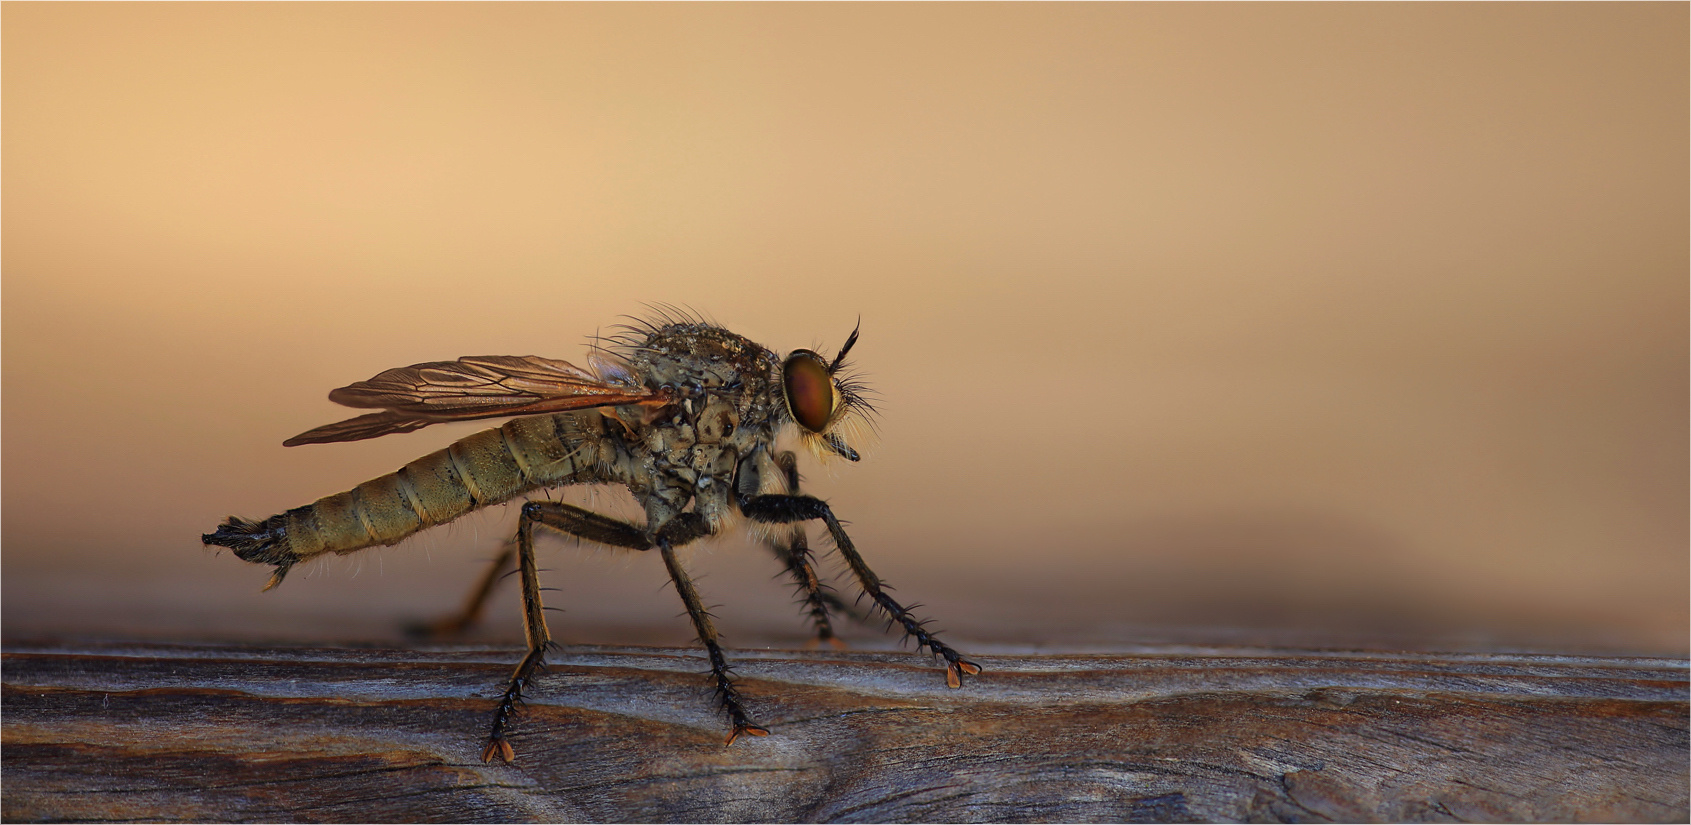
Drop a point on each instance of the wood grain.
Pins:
(173, 732)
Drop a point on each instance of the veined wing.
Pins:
(478, 386)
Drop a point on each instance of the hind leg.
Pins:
(460, 621)
(567, 519)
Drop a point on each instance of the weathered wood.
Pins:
(159, 732)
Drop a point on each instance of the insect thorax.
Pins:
(727, 405)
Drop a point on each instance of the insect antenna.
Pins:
(851, 341)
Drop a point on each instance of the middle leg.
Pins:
(681, 530)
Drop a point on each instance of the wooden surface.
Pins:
(160, 732)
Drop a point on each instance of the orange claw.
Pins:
(954, 672)
(499, 748)
(754, 730)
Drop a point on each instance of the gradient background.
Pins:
(1355, 323)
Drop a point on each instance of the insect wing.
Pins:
(358, 429)
(480, 386)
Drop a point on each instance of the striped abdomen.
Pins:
(486, 468)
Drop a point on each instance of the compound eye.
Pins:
(810, 390)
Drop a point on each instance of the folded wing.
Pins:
(479, 386)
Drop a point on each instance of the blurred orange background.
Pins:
(1361, 322)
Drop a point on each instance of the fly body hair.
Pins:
(632, 336)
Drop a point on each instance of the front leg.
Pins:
(789, 509)
(794, 553)
(680, 530)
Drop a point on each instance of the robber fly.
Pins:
(682, 412)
